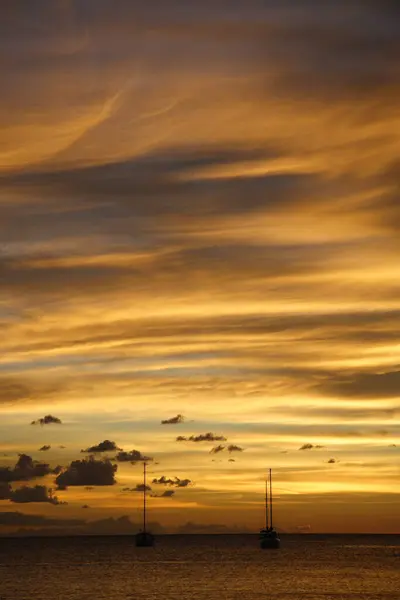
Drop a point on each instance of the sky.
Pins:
(199, 216)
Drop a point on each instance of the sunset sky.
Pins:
(200, 216)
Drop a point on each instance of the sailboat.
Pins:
(144, 538)
(268, 535)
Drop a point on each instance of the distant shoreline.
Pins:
(314, 536)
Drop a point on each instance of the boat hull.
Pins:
(144, 540)
(270, 544)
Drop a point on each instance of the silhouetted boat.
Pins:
(269, 536)
(144, 538)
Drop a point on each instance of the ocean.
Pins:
(201, 567)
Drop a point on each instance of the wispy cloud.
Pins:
(190, 233)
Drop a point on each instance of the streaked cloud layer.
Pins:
(200, 216)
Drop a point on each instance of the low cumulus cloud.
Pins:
(133, 456)
(140, 487)
(231, 448)
(47, 420)
(217, 449)
(105, 446)
(234, 448)
(89, 471)
(173, 420)
(202, 437)
(25, 469)
(165, 494)
(44, 448)
(37, 493)
(306, 447)
(5, 491)
(311, 447)
(173, 482)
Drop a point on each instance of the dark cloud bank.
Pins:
(37, 493)
(47, 526)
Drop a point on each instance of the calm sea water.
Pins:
(200, 568)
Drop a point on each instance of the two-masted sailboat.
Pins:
(144, 538)
(268, 535)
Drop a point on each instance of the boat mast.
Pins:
(270, 495)
(266, 503)
(144, 497)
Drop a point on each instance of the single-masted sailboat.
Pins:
(144, 538)
(268, 535)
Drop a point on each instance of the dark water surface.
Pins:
(200, 567)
